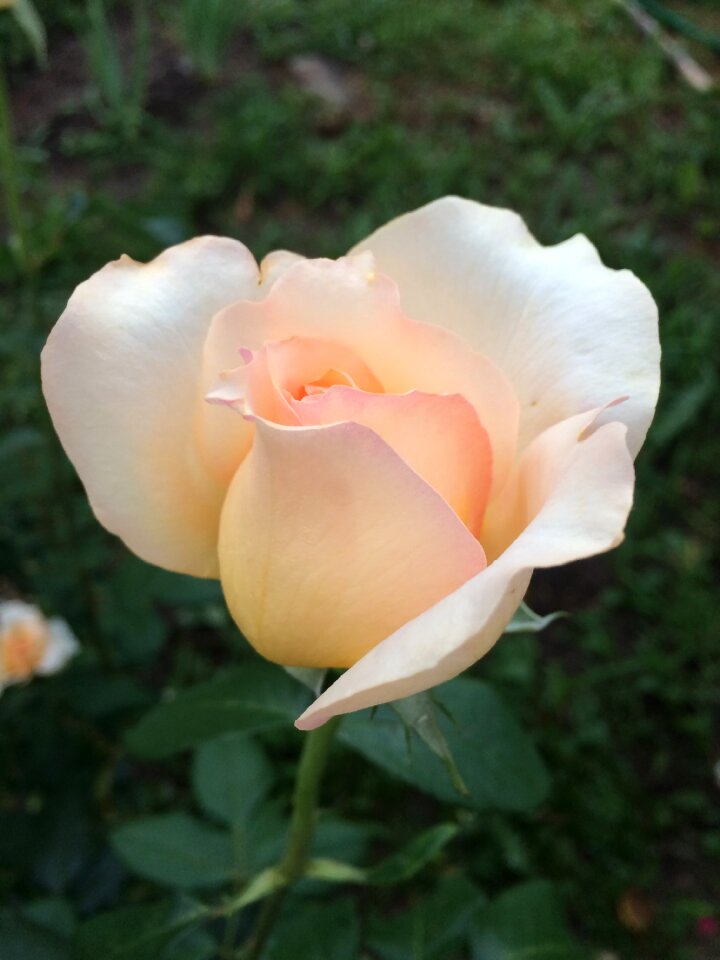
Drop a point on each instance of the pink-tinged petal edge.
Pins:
(588, 496)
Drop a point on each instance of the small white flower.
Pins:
(30, 644)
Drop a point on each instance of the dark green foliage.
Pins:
(524, 921)
(495, 758)
(326, 930)
(251, 698)
(132, 141)
(435, 923)
(175, 850)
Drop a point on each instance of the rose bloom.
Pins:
(30, 644)
(371, 453)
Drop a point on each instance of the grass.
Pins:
(559, 110)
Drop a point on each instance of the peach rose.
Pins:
(30, 644)
(372, 453)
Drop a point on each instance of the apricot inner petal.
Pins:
(329, 541)
(281, 371)
(22, 650)
(349, 304)
(439, 437)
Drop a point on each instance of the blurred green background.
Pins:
(304, 124)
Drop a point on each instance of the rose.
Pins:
(393, 441)
(30, 644)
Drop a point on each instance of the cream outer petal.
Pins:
(121, 375)
(329, 542)
(566, 330)
(585, 495)
(62, 647)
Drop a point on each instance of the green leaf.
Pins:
(326, 930)
(335, 871)
(397, 868)
(257, 696)
(22, 940)
(29, 21)
(527, 621)
(266, 837)
(433, 928)
(231, 775)
(54, 914)
(132, 933)
(494, 756)
(207, 27)
(524, 923)
(103, 55)
(98, 886)
(335, 836)
(176, 850)
(419, 714)
(259, 887)
(190, 945)
(404, 864)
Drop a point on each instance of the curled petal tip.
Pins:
(311, 721)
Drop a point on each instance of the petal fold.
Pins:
(439, 437)
(581, 495)
(329, 542)
(348, 302)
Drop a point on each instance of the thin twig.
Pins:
(692, 72)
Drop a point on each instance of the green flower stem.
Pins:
(9, 177)
(307, 787)
(302, 828)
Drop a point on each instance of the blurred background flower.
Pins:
(30, 644)
(307, 123)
